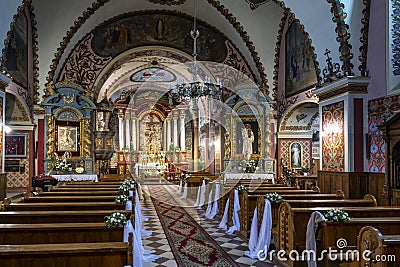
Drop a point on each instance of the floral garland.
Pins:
(241, 188)
(121, 199)
(336, 215)
(274, 197)
(116, 219)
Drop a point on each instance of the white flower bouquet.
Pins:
(116, 219)
(124, 188)
(241, 188)
(128, 182)
(336, 215)
(274, 197)
(60, 164)
(121, 199)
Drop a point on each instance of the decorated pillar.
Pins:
(134, 130)
(195, 137)
(175, 118)
(343, 110)
(128, 129)
(121, 129)
(182, 130)
(168, 132)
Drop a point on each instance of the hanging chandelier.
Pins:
(197, 87)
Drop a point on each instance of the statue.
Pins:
(227, 146)
(248, 140)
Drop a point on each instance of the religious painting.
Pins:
(164, 28)
(247, 138)
(300, 74)
(15, 146)
(153, 75)
(67, 138)
(15, 54)
(295, 155)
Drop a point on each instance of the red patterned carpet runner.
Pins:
(190, 243)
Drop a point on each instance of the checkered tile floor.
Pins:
(232, 244)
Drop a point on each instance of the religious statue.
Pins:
(248, 140)
(227, 146)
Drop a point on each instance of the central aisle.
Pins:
(195, 240)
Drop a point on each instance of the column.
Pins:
(195, 136)
(175, 130)
(127, 129)
(168, 133)
(182, 131)
(121, 130)
(134, 135)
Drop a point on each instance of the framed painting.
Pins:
(295, 155)
(300, 74)
(15, 145)
(67, 137)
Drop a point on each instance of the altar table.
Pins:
(242, 175)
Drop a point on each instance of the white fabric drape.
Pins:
(209, 205)
(202, 195)
(137, 256)
(180, 187)
(235, 215)
(222, 224)
(196, 204)
(139, 218)
(131, 193)
(312, 226)
(139, 191)
(185, 191)
(214, 210)
(264, 236)
(253, 234)
(128, 205)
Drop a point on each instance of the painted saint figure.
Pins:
(295, 155)
(248, 140)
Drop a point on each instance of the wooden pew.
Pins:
(78, 193)
(53, 233)
(55, 206)
(94, 185)
(82, 216)
(90, 189)
(386, 248)
(36, 199)
(292, 224)
(99, 254)
(330, 232)
(250, 200)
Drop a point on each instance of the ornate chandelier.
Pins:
(186, 91)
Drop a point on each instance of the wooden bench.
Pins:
(82, 216)
(250, 200)
(99, 254)
(90, 189)
(36, 199)
(78, 193)
(292, 224)
(8, 206)
(330, 232)
(53, 233)
(386, 248)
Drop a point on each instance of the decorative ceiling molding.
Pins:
(343, 36)
(364, 38)
(35, 48)
(256, 3)
(68, 36)
(168, 2)
(278, 53)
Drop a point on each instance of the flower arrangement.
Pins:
(336, 215)
(60, 164)
(251, 166)
(274, 197)
(241, 188)
(129, 182)
(116, 219)
(123, 188)
(121, 199)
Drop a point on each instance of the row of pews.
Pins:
(64, 227)
(372, 228)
